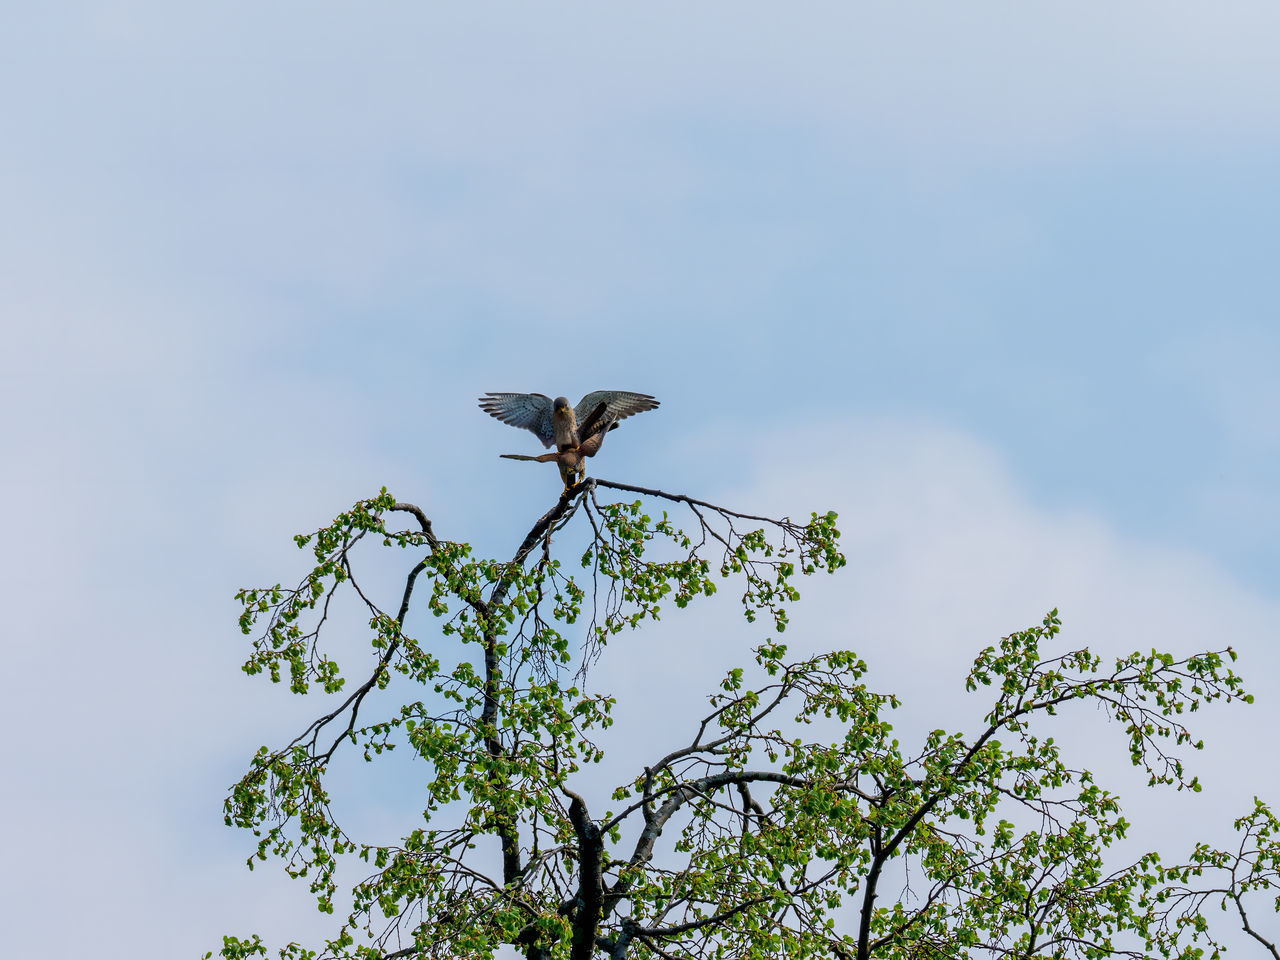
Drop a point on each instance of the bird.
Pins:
(575, 431)
(571, 460)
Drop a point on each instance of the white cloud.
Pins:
(946, 554)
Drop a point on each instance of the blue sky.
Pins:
(998, 279)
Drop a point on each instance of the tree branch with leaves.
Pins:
(791, 823)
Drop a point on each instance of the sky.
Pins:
(995, 281)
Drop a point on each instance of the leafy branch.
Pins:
(775, 830)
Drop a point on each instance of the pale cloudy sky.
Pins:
(999, 278)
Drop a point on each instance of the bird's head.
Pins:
(561, 407)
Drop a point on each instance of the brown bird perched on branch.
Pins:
(576, 432)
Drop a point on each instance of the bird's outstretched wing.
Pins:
(532, 411)
(593, 421)
(619, 404)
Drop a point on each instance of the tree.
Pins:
(789, 824)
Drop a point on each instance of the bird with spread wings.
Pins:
(576, 432)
